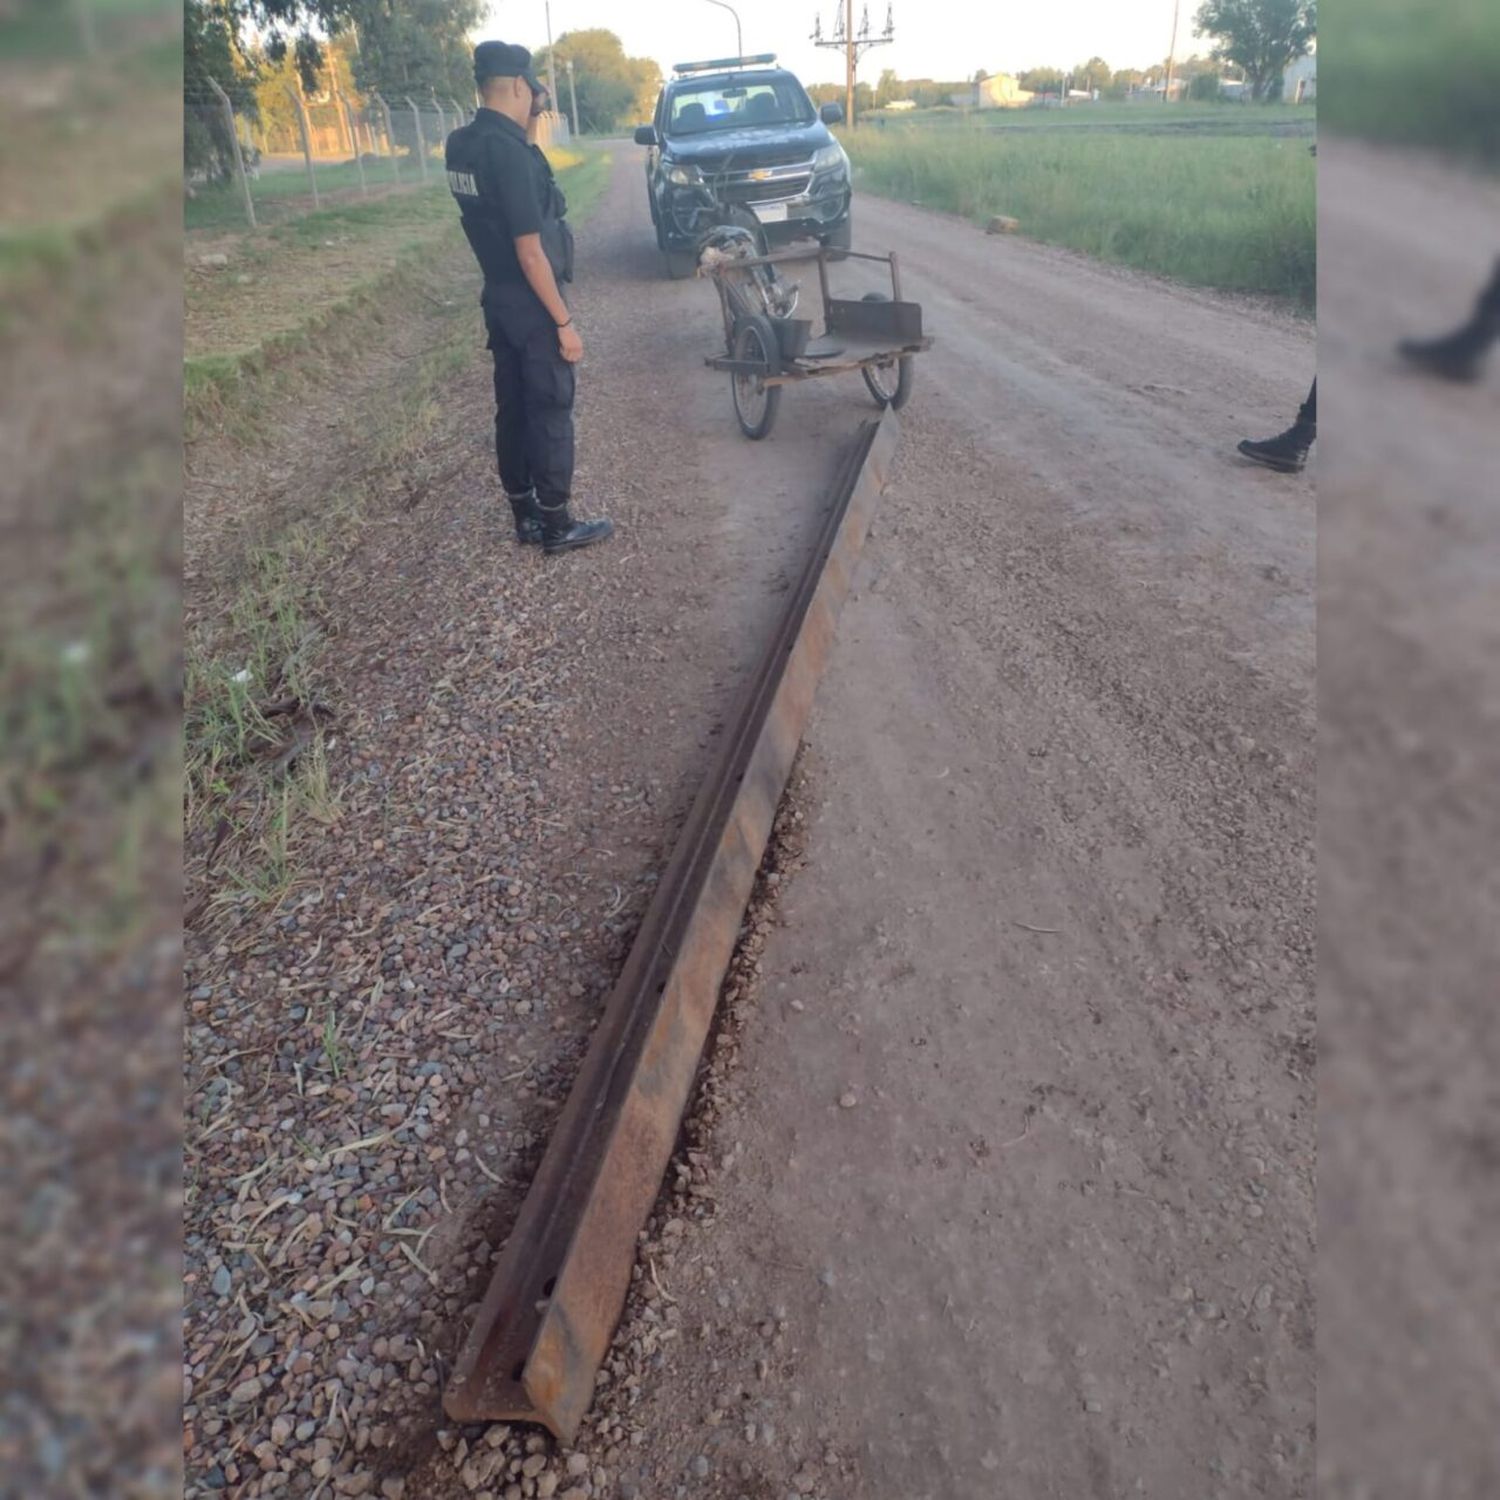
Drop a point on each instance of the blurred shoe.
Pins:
(1459, 356)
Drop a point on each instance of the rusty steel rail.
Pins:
(561, 1281)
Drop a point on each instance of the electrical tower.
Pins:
(853, 44)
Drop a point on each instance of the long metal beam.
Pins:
(560, 1284)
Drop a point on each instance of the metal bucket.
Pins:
(793, 335)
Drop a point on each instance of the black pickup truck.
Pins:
(742, 134)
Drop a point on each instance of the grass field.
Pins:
(284, 282)
(1198, 202)
(1140, 118)
(280, 194)
(1416, 74)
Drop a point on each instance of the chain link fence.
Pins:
(329, 147)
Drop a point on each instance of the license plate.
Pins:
(770, 213)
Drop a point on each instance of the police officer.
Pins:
(513, 214)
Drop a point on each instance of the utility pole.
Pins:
(573, 95)
(1166, 96)
(849, 61)
(551, 68)
(852, 44)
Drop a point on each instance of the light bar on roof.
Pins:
(726, 64)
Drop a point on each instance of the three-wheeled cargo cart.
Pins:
(763, 354)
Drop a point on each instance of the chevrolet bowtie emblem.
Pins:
(760, 174)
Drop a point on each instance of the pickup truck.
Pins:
(741, 134)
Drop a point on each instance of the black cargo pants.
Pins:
(534, 388)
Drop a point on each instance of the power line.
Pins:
(853, 44)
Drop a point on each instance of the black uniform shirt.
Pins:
(504, 189)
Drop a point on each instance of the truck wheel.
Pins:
(681, 264)
(841, 238)
(889, 383)
(756, 403)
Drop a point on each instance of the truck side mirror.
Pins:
(645, 135)
(832, 114)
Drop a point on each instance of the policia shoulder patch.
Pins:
(463, 184)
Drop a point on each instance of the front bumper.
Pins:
(689, 212)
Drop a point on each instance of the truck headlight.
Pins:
(684, 176)
(826, 158)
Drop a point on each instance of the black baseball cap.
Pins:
(504, 60)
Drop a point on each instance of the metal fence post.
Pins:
(296, 97)
(340, 118)
(239, 158)
(458, 113)
(416, 116)
(390, 135)
(347, 114)
(442, 119)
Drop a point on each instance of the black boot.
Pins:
(528, 519)
(1286, 453)
(561, 533)
(1460, 355)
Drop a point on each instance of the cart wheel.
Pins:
(756, 403)
(889, 383)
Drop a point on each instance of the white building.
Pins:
(1299, 84)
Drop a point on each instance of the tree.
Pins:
(412, 48)
(889, 88)
(419, 47)
(928, 93)
(1095, 73)
(1042, 80)
(612, 88)
(980, 75)
(416, 46)
(211, 54)
(1263, 37)
(1204, 87)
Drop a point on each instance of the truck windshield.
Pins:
(733, 104)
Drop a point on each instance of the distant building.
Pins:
(1001, 91)
(1156, 88)
(900, 106)
(1299, 84)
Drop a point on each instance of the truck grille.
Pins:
(741, 190)
(765, 182)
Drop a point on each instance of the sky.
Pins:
(945, 39)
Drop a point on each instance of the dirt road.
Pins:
(1053, 943)
(1025, 1153)
(1408, 826)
